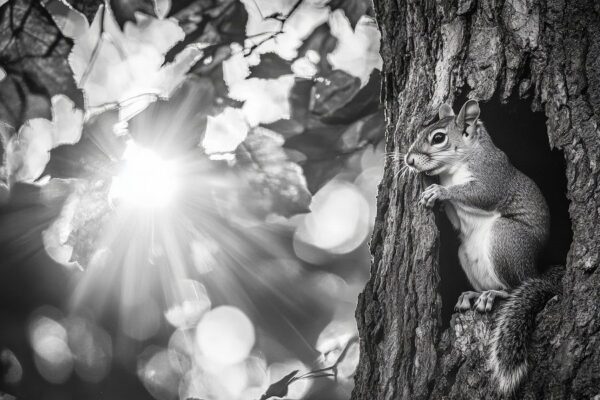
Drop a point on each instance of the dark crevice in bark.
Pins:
(453, 279)
(523, 136)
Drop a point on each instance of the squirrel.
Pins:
(503, 223)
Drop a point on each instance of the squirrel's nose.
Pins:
(410, 160)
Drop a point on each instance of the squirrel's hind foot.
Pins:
(485, 302)
(464, 300)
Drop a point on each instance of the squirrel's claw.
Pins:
(431, 194)
(485, 302)
(464, 300)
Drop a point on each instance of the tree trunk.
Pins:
(548, 50)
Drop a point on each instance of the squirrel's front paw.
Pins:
(433, 193)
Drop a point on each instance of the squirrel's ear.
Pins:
(445, 111)
(469, 113)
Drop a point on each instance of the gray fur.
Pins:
(501, 218)
(509, 358)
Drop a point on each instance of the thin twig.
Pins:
(101, 108)
(282, 20)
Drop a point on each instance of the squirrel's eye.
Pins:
(438, 138)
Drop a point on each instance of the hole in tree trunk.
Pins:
(522, 135)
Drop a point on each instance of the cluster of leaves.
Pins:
(286, 125)
(271, 98)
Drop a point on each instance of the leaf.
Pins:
(354, 9)
(304, 68)
(6, 131)
(29, 151)
(370, 129)
(271, 182)
(176, 126)
(225, 131)
(125, 10)
(55, 237)
(134, 57)
(271, 67)
(357, 50)
(88, 219)
(162, 8)
(319, 172)
(279, 388)
(89, 155)
(158, 34)
(285, 39)
(321, 42)
(67, 121)
(332, 92)
(36, 51)
(299, 99)
(71, 22)
(328, 147)
(174, 73)
(235, 66)
(366, 101)
(265, 100)
(323, 161)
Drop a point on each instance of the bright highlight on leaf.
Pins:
(265, 100)
(305, 18)
(29, 151)
(146, 180)
(56, 237)
(357, 51)
(134, 56)
(225, 131)
(162, 7)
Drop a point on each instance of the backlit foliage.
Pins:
(222, 156)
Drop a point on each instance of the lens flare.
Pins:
(52, 356)
(225, 335)
(146, 180)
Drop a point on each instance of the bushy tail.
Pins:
(514, 326)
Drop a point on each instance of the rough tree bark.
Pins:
(432, 50)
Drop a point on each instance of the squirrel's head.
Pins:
(445, 143)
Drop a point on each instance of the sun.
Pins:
(146, 180)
